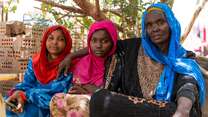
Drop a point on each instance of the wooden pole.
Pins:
(2, 107)
(2, 11)
(196, 14)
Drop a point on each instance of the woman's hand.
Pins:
(15, 97)
(90, 88)
(77, 89)
(64, 65)
(184, 106)
(82, 89)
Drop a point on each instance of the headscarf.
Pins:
(174, 61)
(44, 70)
(90, 68)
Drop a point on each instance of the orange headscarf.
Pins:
(44, 70)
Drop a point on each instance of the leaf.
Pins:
(9, 2)
(5, 9)
(44, 9)
(13, 9)
(87, 22)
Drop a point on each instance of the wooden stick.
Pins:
(68, 8)
(2, 107)
(196, 14)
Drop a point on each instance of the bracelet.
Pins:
(97, 90)
(22, 95)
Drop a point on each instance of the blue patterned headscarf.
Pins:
(174, 61)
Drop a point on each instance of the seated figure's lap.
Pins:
(105, 103)
(68, 105)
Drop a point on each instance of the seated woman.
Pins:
(156, 79)
(88, 72)
(32, 96)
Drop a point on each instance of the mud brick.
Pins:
(22, 65)
(11, 53)
(2, 28)
(8, 66)
(14, 28)
(6, 42)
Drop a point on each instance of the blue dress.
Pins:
(39, 95)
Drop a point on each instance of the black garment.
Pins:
(109, 104)
(115, 105)
(125, 76)
(125, 80)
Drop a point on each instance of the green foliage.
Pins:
(87, 21)
(45, 8)
(10, 6)
(130, 11)
(128, 14)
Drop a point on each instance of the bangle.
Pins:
(97, 90)
(22, 95)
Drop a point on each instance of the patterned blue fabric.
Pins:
(175, 61)
(39, 95)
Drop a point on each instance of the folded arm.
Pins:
(65, 64)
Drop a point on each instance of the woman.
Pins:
(32, 96)
(155, 79)
(88, 72)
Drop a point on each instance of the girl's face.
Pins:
(101, 43)
(55, 43)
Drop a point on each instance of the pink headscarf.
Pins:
(90, 68)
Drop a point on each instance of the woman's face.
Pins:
(101, 43)
(157, 28)
(55, 43)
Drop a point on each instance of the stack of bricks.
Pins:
(15, 51)
(37, 32)
(79, 38)
(6, 60)
(2, 28)
(14, 54)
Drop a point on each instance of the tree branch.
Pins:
(196, 14)
(97, 4)
(163, 1)
(98, 13)
(86, 9)
(116, 12)
(68, 8)
(62, 17)
(91, 9)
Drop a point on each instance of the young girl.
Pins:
(88, 72)
(32, 96)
